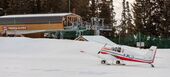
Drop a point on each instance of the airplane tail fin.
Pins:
(150, 55)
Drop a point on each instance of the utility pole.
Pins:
(143, 21)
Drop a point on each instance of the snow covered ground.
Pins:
(26, 57)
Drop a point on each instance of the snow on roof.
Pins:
(37, 15)
(99, 39)
(20, 32)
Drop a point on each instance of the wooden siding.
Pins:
(1, 29)
(34, 35)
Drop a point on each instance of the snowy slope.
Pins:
(25, 57)
(99, 39)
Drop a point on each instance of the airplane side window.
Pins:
(119, 49)
(122, 50)
(113, 49)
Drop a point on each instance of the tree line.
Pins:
(84, 8)
(150, 17)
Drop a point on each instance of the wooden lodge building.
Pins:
(35, 25)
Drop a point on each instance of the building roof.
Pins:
(34, 18)
(98, 39)
(21, 32)
(37, 15)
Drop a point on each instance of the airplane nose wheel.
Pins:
(103, 61)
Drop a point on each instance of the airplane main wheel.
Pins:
(152, 66)
(117, 62)
(103, 62)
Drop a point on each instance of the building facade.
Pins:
(37, 23)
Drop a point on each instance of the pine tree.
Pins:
(142, 16)
(106, 11)
(152, 17)
(3, 6)
(19, 7)
(93, 8)
(130, 26)
(84, 9)
(2, 12)
(37, 6)
(165, 18)
(127, 28)
(80, 7)
(57, 6)
(156, 18)
(123, 24)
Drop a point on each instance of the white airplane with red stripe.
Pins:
(119, 55)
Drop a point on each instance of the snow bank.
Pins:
(100, 39)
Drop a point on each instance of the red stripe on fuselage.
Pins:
(130, 59)
(104, 53)
(104, 48)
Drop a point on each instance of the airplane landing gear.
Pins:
(152, 65)
(118, 62)
(103, 61)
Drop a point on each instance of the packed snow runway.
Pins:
(26, 57)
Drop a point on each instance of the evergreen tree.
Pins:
(37, 6)
(152, 17)
(127, 28)
(19, 7)
(93, 8)
(106, 11)
(123, 25)
(130, 26)
(80, 7)
(142, 15)
(2, 12)
(165, 17)
(3, 6)
(57, 6)
(156, 18)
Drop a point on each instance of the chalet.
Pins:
(34, 25)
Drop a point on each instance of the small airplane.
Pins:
(119, 54)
